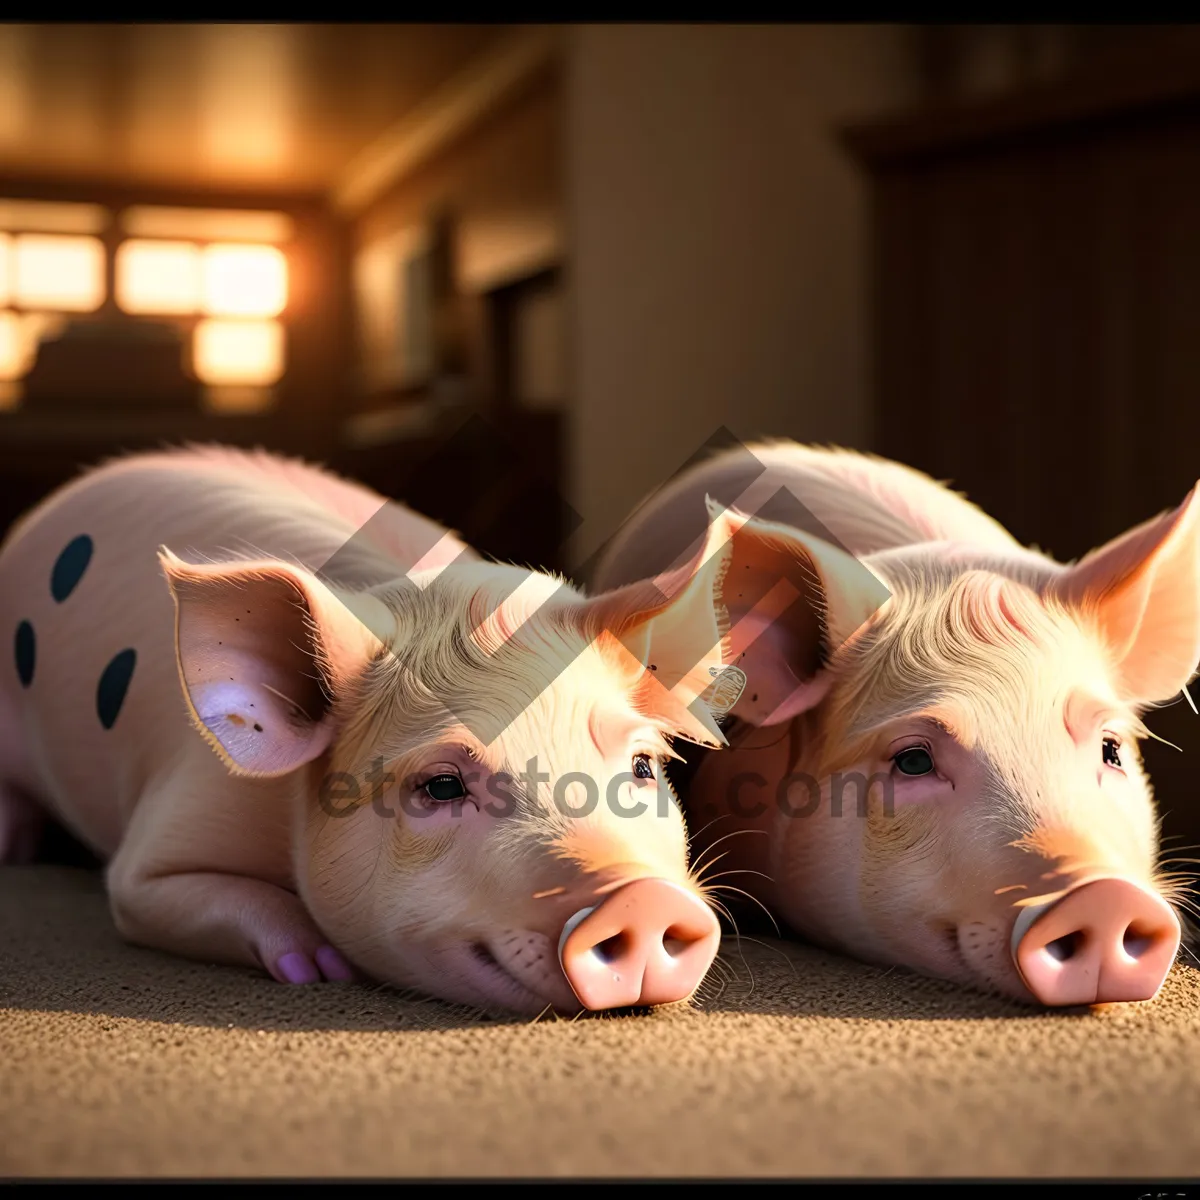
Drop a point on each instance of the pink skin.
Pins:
(256, 679)
(994, 693)
(499, 945)
(937, 887)
(326, 964)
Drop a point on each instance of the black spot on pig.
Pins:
(114, 683)
(70, 566)
(25, 651)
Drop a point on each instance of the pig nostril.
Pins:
(1065, 948)
(484, 955)
(611, 948)
(1136, 943)
(676, 941)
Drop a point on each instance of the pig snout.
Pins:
(1103, 941)
(649, 942)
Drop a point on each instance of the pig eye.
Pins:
(1111, 755)
(443, 788)
(642, 766)
(916, 760)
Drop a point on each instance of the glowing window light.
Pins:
(54, 272)
(5, 266)
(158, 277)
(244, 281)
(238, 353)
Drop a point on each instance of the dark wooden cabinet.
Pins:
(1036, 320)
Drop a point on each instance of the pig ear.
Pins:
(672, 625)
(263, 648)
(1142, 590)
(746, 624)
(792, 600)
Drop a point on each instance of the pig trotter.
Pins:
(223, 918)
(327, 963)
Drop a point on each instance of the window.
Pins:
(244, 281)
(56, 272)
(239, 353)
(51, 263)
(158, 277)
(220, 274)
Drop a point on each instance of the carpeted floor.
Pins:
(119, 1061)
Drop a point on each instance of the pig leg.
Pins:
(21, 822)
(229, 919)
(193, 876)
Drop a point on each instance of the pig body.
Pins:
(933, 758)
(198, 638)
(92, 769)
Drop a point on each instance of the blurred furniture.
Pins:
(1035, 325)
(480, 445)
(119, 364)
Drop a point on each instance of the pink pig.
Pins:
(934, 755)
(262, 747)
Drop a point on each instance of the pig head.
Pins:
(933, 760)
(348, 742)
(543, 864)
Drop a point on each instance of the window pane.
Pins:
(158, 277)
(64, 273)
(238, 352)
(5, 268)
(244, 281)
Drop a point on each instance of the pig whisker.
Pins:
(1187, 904)
(737, 941)
(1176, 884)
(722, 838)
(1190, 931)
(698, 873)
(726, 887)
(1152, 734)
(741, 937)
(548, 1008)
(1174, 837)
(733, 976)
(722, 910)
(720, 978)
(740, 871)
(697, 832)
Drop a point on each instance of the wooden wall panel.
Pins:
(1037, 322)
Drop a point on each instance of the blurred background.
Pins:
(517, 275)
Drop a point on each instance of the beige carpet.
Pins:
(119, 1061)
